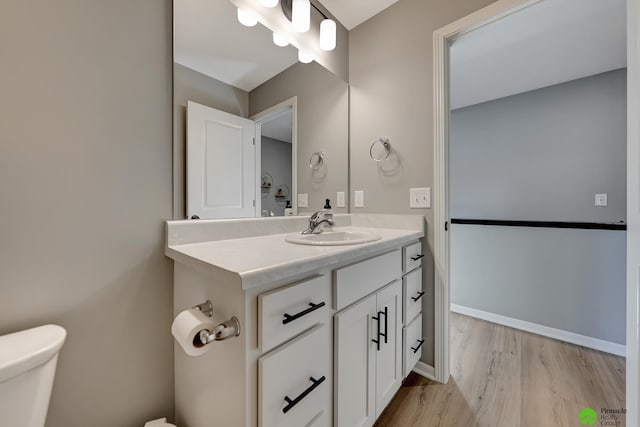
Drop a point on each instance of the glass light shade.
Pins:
(327, 34)
(269, 3)
(301, 15)
(280, 39)
(247, 17)
(304, 57)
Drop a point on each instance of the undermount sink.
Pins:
(332, 238)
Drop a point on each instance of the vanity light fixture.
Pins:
(328, 34)
(269, 3)
(303, 57)
(280, 39)
(247, 17)
(301, 15)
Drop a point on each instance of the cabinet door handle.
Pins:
(415, 349)
(417, 257)
(288, 318)
(386, 323)
(386, 327)
(294, 402)
(417, 297)
(377, 340)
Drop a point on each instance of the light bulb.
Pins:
(327, 34)
(301, 15)
(269, 3)
(247, 17)
(280, 39)
(304, 57)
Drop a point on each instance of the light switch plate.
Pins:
(340, 199)
(358, 199)
(303, 200)
(420, 198)
(601, 200)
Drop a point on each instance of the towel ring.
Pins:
(316, 160)
(386, 149)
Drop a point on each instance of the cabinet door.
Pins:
(354, 397)
(389, 355)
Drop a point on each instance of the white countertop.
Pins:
(269, 258)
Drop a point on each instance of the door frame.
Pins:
(442, 39)
(263, 116)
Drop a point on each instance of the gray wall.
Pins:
(391, 94)
(190, 85)
(572, 280)
(323, 120)
(276, 160)
(85, 182)
(544, 154)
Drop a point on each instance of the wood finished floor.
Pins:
(506, 377)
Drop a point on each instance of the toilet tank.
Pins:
(27, 367)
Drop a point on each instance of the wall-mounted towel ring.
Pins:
(380, 149)
(316, 160)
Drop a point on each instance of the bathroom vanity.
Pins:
(327, 333)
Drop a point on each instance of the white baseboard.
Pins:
(559, 334)
(425, 370)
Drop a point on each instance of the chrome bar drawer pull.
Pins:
(415, 349)
(417, 297)
(294, 402)
(288, 318)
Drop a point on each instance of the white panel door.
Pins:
(354, 399)
(389, 355)
(221, 164)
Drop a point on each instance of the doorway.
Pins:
(276, 139)
(442, 40)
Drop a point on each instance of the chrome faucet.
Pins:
(318, 221)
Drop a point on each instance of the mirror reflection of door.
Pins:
(221, 164)
(276, 137)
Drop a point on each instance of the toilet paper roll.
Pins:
(185, 329)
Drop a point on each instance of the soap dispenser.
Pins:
(328, 213)
(288, 210)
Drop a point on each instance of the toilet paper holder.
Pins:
(223, 330)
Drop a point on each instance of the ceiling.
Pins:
(209, 39)
(551, 42)
(352, 13)
(279, 127)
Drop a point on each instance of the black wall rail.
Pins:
(542, 224)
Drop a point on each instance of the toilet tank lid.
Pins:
(24, 350)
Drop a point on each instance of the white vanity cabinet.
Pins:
(368, 339)
(326, 333)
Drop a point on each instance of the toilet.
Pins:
(160, 422)
(27, 367)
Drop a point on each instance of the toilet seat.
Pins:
(160, 422)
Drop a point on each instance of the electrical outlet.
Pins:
(419, 198)
(601, 200)
(358, 199)
(303, 200)
(340, 203)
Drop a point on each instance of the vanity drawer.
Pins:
(413, 295)
(297, 378)
(285, 312)
(412, 343)
(359, 280)
(412, 256)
